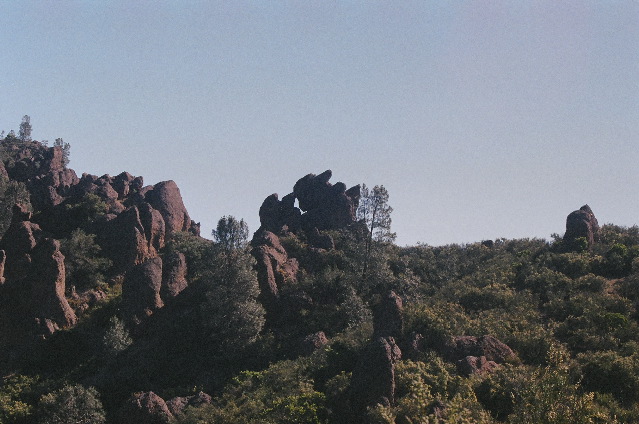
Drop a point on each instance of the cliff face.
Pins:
(130, 222)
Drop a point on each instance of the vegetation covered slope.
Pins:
(214, 353)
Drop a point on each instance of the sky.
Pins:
(483, 119)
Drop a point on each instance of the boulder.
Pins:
(47, 276)
(280, 217)
(3, 258)
(154, 228)
(166, 198)
(178, 404)
(173, 275)
(475, 365)
(387, 317)
(141, 289)
(487, 346)
(274, 267)
(373, 380)
(145, 408)
(313, 342)
(326, 207)
(581, 223)
(123, 239)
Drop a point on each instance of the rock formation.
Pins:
(387, 317)
(145, 408)
(373, 380)
(274, 267)
(581, 223)
(322, 206)
(141, 289)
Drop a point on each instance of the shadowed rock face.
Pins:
(487, 345)
(326, 206)
(141, 289)
(274, 267)
(581, 223)
(475, 365)
(173, 275)
(387, 317)
(48, 284)
(373, 378)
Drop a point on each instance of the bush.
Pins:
(71, 404)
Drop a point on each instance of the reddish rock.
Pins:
(154, 228)
(313, 342)
(145, 408)
(581, 223)
(166, 198)
(388, 319)
(373, 380)
(488, 346)
(123, 239)
(274, 267)
(178, 404)
(173, 275)
(141, 289)
(48, 284)
(475, 365)
(3, 258)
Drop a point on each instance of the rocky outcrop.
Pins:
(581, 224)
(47, 279)
(145, 408)
(177, 404)
(141, 289)
(313, 342)
(475, 365)
(274, 267)
(373, 380)
(173, 275)
(122, 239)
(488, 346)
(3, 259)
(388, 319)
(166, 198)
(325, 206)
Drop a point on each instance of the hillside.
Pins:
(114, 309)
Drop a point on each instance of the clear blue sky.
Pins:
(483, 119)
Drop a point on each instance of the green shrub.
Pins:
(71, 404)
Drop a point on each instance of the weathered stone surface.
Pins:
(387, 317)
(313, 342)
(173, 275)
(487, 345)
(373, 380)
(154, 228)
(3, 259)
(166, 198)
(475, 365)
(141, 289)
(48, 284)
(280, 217)
(123, 239)
(321, 241)
(581, 223)
(18, 242)
(326, 207)
(145, 408)
(178, 404)
(274, 267)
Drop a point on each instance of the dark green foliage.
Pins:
(66, 150)
(11, 193)
(71, 404)
(85, 267)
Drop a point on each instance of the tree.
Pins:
(25, 129)
(71, 404)
(231, 234)
(233, 314)
(116, 338)
(66, 150)
(375, 212)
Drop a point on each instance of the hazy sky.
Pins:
(483, 119)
